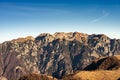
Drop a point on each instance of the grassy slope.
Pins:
(96, 75)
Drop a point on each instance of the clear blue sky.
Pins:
(20, 18)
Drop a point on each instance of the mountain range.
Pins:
(56, 55)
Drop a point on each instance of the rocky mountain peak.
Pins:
(80, 36)
(45, 37)
(98, 36)
(62, 35)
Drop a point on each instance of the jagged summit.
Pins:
(63, 35)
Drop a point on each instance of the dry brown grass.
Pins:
(36, 77)
(95, 75)
(98, 75)
(118, 56)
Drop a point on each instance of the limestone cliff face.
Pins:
(57, 55)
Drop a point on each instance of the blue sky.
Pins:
(20, 18)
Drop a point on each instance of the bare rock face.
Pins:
(18, 58)
(56, 55)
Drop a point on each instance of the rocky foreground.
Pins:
(54, 55)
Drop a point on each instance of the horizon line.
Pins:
(34, 36)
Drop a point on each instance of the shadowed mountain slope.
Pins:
(108, 63)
